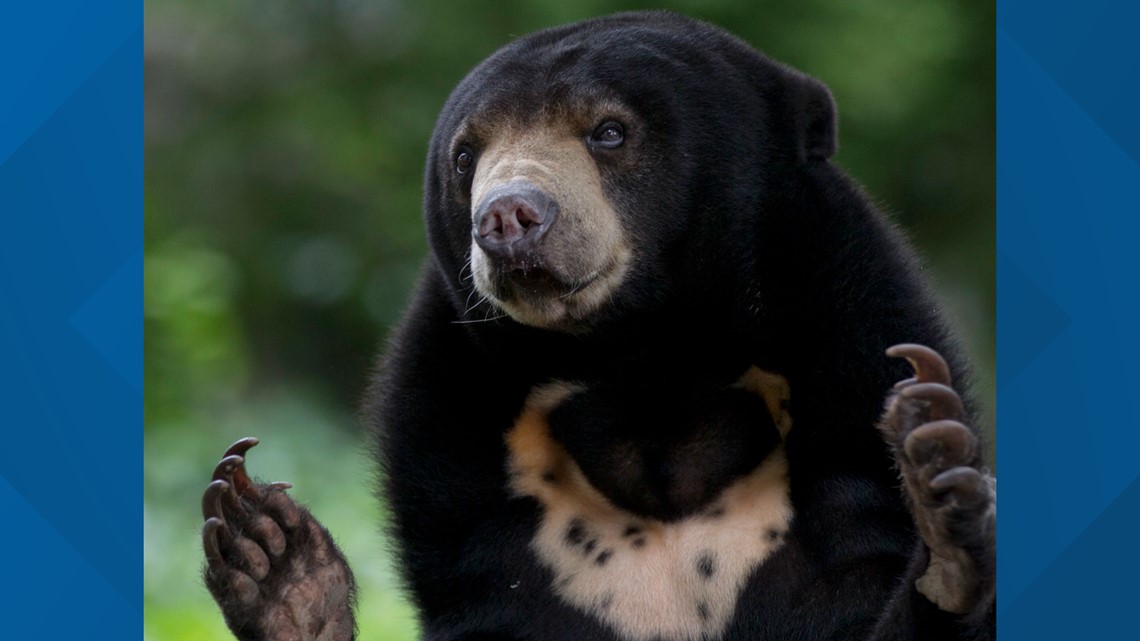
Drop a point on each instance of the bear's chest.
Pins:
(643, 578)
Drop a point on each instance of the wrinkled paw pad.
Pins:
(246, 524)
(941, 444)
(271, 567)
(953, 501)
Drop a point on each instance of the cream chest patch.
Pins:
(649, 579)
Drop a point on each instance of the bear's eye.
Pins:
(608, 135)
(463, 161)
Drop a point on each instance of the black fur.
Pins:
(662, 452)
(754, 249)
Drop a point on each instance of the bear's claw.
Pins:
(273, 569)
(928, 364)
(953, 500)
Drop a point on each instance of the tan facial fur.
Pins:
(585, 247)
(648, 579)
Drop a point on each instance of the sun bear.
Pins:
(654, 380)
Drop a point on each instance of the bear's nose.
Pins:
(512, 219)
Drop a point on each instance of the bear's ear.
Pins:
(815, 119)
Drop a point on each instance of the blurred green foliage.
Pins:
(284, 151)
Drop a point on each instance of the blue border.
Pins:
(71, 319)
(1068, 318)
(71, 330)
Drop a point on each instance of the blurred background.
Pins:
(285, 142)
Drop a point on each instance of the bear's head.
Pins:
(582, 171)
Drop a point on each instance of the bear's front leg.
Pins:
(273, 569)
(953, 499)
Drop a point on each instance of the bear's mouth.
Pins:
(537, 284)
(540, 297)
